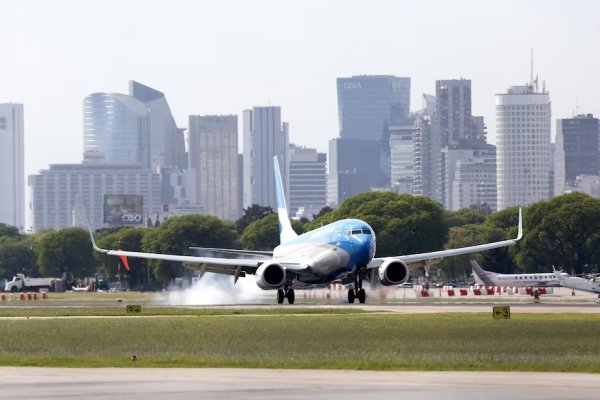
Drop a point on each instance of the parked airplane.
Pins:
(577, 283)
(488, 278)
(340, 252)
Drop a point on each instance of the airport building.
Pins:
(265, 136)
(12, 166)
(59, 193)
(308, 181)
(577, 152)
(213, 154)
(523, 146)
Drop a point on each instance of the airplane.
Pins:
(340, 252)
(488, 278)
(576, 283)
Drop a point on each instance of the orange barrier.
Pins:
(450, 292)
(3, 297)
(463, 292)
(35, 296)
(490, 290)
(424, 293)
(542, 290)
(529, 291)
(29, 296)
(45, 296)
(22, 296)
(477, 292)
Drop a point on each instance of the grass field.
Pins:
(290, 337)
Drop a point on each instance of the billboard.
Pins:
(123, 209)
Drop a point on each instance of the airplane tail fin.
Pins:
(482, 276)
(286, 232)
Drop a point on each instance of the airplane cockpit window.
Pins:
(356, 232)
(366, 231)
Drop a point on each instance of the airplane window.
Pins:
(356, 232)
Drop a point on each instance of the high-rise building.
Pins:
(12, 166)
(167, 142)
(134, 129)
(60, 192)
(426, 158)
(402, 158)
(523, 146)
(368, 104)
(116, 129)
(213, 150)
(308, 181)
(474, 178)
(453, 113)
(265, 136)
(577, 151)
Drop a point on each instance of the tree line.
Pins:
(563, 232)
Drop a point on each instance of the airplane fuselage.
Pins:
(330, 252)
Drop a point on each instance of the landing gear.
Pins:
(357, 291)
(286, 294)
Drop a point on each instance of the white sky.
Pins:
(223, 56)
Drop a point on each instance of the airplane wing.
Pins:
(237, 267)
(428, 259)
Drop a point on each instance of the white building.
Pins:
(402, 158)
(213, 152)
(523, 146)
(265, 136)
(58, 193)
(12, 175)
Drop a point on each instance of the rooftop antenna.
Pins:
(531, 70)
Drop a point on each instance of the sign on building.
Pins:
(123, 209)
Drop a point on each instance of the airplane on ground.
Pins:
(488, 278)
(340, 252)
(577, 283)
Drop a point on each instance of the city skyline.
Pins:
(56, 58)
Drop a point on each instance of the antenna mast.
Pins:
(531, 70)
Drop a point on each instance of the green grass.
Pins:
(304, 339)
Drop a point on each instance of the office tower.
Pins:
(116, 129)
(353, 168)
(402, 158)
(59, 192)
(523, 146)
(167, 143)
(265, 136)
(474, 178)
(368, 104)
(308, 181)
(12, 166)
(453, 112)
(213, 153)
(576, 151)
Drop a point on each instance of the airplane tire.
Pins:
(351, 296)
(291, 296)
(362, 296)
(280, 296)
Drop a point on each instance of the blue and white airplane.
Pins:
(340, 252)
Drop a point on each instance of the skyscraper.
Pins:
(402, 158)
(167, 143)
(523, 146)
(308, 181)
(213, 150)
(577, 151)
(453, 112)
(368, 104)
(116, 129)
(12, 175)
(265, 136)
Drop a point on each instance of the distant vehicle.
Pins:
(487, 278)
(21, 283)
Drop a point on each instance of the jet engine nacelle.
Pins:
(392, 272)
(270, 275)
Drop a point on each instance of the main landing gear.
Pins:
(286, 293)
(357, 291)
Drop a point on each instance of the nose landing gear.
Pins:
(357, 291)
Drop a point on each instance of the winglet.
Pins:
(520, 231)
(286, 232)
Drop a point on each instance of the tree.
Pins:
(562, 232)
(179, 233)
(324, 210)
(262, 234)
(8, 231)
(403, 223)
(252, 214)
(66, 252)
(465, 216)
(17, 256)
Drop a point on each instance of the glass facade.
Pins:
(116, 126)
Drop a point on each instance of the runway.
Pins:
(150, 384)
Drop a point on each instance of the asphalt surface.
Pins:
(150, 384)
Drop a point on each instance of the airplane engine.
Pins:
(270, 275)
(392, 272)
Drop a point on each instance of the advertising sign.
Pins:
(123, 209)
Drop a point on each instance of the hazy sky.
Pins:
(220, 57)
